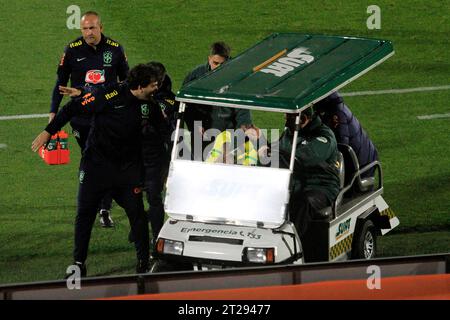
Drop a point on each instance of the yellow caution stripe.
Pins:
(388, 212)
(341, 247)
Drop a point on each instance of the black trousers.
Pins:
(123, 183)
(153, 188)
(303, 207)
(154, 179)
(81, 133)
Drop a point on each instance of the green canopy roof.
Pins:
(286, 72)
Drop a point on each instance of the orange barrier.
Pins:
(423, 287)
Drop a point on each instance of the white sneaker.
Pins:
(105, 219)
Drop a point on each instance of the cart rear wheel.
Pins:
(365, 244)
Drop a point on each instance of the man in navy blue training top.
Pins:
(112, 159)
(90, 60)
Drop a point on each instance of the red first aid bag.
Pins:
(57, 149)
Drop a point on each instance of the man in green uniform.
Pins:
(316, 175)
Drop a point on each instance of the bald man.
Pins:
(90, 60)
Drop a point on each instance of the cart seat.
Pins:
(363, 184)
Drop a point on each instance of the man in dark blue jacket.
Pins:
(347, 129)
(90, 60)
(112, 160)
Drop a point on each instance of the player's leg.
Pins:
(130, 198)
(81, 131)
(153, 187)
(94, 183)
(105, 211)
(127, 193)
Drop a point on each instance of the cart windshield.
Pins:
(227, 193)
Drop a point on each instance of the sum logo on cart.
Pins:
(344, 228)
(294, 59)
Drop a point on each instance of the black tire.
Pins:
(155, 267)
(169, 266)
(365, 243)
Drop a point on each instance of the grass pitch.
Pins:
(38, 202)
